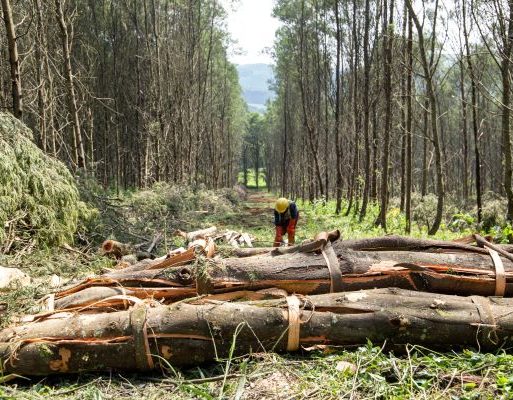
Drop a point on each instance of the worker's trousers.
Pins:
(290, 228)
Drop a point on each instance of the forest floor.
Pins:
(366, 372)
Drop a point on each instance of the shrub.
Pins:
(494, 211)
(423, 209)
(460, 222)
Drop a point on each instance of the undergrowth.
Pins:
(136, 217)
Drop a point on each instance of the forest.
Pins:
(128, 92)
(393, 99)
(381, 101)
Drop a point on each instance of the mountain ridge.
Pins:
(255, 80)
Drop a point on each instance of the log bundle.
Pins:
(317, 267)
(204, 330)
(192, 307)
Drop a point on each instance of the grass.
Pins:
(366, 372)
(320, 216)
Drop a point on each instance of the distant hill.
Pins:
(254, 80)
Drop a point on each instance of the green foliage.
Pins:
(39, 199)
(423, 209)
(319, 216)
(177, 199)
(461, 222)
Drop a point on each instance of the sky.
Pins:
(252, 26)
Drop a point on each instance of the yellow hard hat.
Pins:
(281, 205)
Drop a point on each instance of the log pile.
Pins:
(326, 291)
(322, 266)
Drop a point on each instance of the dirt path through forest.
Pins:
(257, 209)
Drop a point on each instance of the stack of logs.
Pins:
(191, 306)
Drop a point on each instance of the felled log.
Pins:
(463, 274)
(117, 249)
(450, 273)
(191, 334)
(199, 234)
(386, 243)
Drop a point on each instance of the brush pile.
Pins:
(39, 200)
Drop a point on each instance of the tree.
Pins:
(17, 103)
(387, 45)
(254, 142)
(429, 68)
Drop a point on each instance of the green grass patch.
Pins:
(366, 372)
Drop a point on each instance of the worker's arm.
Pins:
(276, 218)
(293, 211)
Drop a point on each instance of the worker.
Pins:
(285, 220)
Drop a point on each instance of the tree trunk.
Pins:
(506, 88)
(366, 110)
(385, 167)
(404, 78)
(17, 103)
(464, 134)
(475, 128)
(409, 119)
(338, 147)
(428, 74)
(78, 145)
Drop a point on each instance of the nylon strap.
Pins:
(293, 304)
(334, 268)
(143, 360)
(488, 323)
(500, 273)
